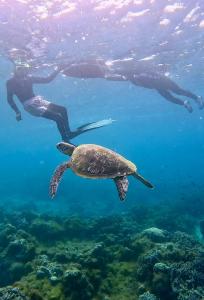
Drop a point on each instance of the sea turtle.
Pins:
(93, 161)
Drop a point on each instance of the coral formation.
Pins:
(118, 257)
(10, 293)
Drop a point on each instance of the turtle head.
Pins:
(66, 148)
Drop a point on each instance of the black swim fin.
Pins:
(90, 126)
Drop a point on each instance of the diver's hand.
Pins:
(18, 117)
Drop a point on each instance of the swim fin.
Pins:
(97, 124)
(91, 126)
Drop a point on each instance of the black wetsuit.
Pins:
(138, 74)
(22, 87)
(162, 84)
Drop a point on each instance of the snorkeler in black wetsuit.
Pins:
(137, 74)
(21, 85)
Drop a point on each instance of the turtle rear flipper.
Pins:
(143, 180)
(122, 186)
(57, 176)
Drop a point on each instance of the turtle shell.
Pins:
(93, 161)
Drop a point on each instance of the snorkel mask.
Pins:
(22, 68)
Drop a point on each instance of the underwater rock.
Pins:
(42, 272)
(21, 250)
(174, 269)
(97, 257)
(202, 228)
(76, 284)
(54, 279)
(188, 278)
(161, 267)
(161, 286)
(72, 275)
(19, 220)
(5, 276)
(62, 257)
(10, 273)
(6, 232)
(108, 225)
(18, 270)
(46, 230)
(184, 240)
(108, 239)
(156, 235)
(77, 228)
(10, 293)
(152, 257)
(147, 296)
(147, 262)
(127, 254)
(47, 269)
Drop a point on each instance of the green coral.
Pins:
(108, 258)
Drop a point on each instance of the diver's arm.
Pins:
(47, 79)
(12, 103)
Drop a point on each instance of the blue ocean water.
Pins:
(86, 244)
(164, 140)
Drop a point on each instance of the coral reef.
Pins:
(10, 293)
(44, 257)
(147, 296)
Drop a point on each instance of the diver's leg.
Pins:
(56, 117)
(175, 100)
(179, 91)
(63, 112)
(60, 118)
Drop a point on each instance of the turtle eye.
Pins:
(60, 147)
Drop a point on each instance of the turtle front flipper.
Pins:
(122, 186)
(143, 180)
(57, 176)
